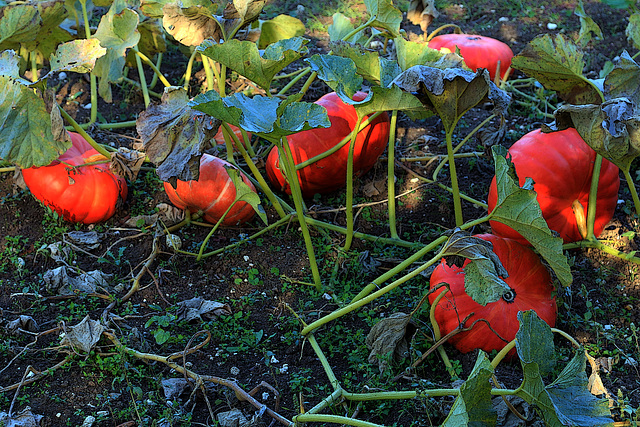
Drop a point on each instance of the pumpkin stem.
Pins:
(581, 220)
(509, 296)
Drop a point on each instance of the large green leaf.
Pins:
(557, 63)
(26, 138)
(567, 400)
(473, 405)
(611, 128)
(451, 92)
(633, 30)
(339, 73)
(519, 209)
(389, 99)
(244, 193)
(413, 53)
(174, 136)
(268, 117)
(18, 24)
(483, 275)
(342, 27)
(384, 15)
(77, 55)
(10, 64)
(117, 31)
(281, 27)
(370, 65)
(244, 58)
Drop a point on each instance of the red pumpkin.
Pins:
(219, 136)
(212, 193)
(477, 51)
(86, 194)
(561, 166)
(531, 289)
(330, 173)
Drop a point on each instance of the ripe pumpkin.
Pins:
(219, 136)
(86, 194)
(212, 193)
(330, 173)
(531, 289)
(477, 51)
(561, 165)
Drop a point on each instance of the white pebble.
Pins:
(552, 26)
(62, 75)
(503, 19)
(87, 106)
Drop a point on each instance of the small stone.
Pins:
(88, 422)
(62, 75)
(234, 370)
(631, 361)
(503, 19)
(87, 106)
(274, 360)
(551, 26)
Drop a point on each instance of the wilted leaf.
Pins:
(243, 12)
(244, 58)
(390, 337)
(174, 136)
(557, 64)
(623, 81)
(633, 30)
(518, 208)
(87, 240)
(483, 275)
(280, 28)
(17, 25)
(384, 15)
(201, 309)
(29, 140)
(451, 92)
(78, 56)
(152, 40)
(611, 129)
(473, 405)
(126, 163)
(587, 25)
(24, 418)
(422, 12)
(60, 282)
(24, 322)
(84, 335)
(190, 25)
(566, 401)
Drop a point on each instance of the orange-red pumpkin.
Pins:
(212, 193)
(86, 194)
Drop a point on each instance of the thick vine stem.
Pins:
(457, 30)
(632, 189)
(99, 148)
(597, 244)
(143, 81)
(93, 115)
(157, 73)
(436, 332)
(593, 197)
(349, 195)
(391, 184)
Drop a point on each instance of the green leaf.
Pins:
(280, 28)
(17, 25)
(451, 92)
(117, 32)
(413, 53)
(244, 58)
(244, 193)
(341, 27)
(557, 64)
(77, 55)
(10, 64)
(472, 406)
(610, 128)
(369, 65)
(587, 25)
(384, 15)
(27, 140)
(389, 99)
(633, 30)
(483, 275)
(567, 400)
(534, 342)
(174, 136)
(339, 73)
(519, 209)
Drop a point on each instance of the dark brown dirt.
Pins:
(602, 300)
